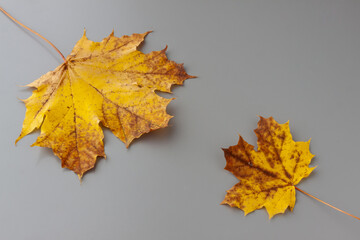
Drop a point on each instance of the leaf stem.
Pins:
(326, 203)
(16, 21)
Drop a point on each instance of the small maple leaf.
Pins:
(267, 176)
(108, 82)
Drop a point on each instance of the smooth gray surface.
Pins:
(294, 60)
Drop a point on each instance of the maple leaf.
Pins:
(267, 176)
(108, 82)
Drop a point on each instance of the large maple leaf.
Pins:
(108, 82)
(267, 176)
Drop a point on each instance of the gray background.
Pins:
(293, 60)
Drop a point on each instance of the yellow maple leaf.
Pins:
(267, 176)
(108, 82)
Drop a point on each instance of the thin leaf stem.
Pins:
(16, 21)
(326, 203)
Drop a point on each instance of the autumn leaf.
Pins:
(267, 176)
(108, 82)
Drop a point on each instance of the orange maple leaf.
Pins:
(108, 82)
(267, 176)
